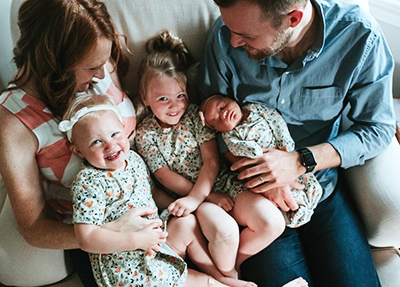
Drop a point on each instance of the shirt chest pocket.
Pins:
(320, 103)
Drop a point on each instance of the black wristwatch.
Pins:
(307, 158)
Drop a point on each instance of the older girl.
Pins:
(181, 153)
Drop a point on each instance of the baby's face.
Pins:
(101, 141)
(222, 114)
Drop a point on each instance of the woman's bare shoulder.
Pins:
(14, 134)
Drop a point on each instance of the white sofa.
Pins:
(375, 186)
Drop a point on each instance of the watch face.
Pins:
(307, 159)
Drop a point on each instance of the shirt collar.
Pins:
(319, 43)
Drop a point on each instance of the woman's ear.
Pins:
(73, 148)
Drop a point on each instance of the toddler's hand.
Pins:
(184, 206)
(222, 200)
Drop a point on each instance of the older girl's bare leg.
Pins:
(196, 278)
(185, 236)
(222, 233)
(263, 220)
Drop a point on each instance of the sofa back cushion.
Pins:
(140, 20)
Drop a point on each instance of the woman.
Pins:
(66, 47)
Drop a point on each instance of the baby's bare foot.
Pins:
(298, 282)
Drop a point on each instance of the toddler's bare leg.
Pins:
(222, 233)
(263, 220)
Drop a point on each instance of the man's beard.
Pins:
(280, 42)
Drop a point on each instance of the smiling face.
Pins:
(167, 100)
(260, 39)
(93, 64)
(222, 113)
(101, 140)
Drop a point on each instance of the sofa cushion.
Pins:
(375, 189)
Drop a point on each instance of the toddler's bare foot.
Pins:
(298, 282)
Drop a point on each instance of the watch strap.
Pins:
(307, 159)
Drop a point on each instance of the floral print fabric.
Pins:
(265, 128)
(177, 147)
(101, 196)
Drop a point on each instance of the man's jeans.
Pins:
(330, 250)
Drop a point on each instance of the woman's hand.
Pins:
(151, 237)
(60, 207)
(95, 239)
(133, 220)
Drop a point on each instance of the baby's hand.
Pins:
(184, 206)
(151, 237)
(222, 200)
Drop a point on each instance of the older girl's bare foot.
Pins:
(237, 282)
(298, 282)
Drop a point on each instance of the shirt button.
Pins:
(283, 101)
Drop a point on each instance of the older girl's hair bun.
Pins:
(168, 43)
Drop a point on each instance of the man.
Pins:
(307, 59)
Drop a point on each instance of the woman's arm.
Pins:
(20, 173)
(19, 170)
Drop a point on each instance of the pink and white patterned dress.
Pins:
(57, 165)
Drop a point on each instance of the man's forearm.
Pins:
(326, 156)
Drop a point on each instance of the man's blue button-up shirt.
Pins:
(349, 63)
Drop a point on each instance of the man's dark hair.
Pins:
(273, 10)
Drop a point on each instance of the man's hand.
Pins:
(282, 197)
(275, 168)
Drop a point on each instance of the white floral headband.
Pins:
(66, 125)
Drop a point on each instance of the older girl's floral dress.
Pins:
(102, 196)
(265, 128)
(177, 147)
